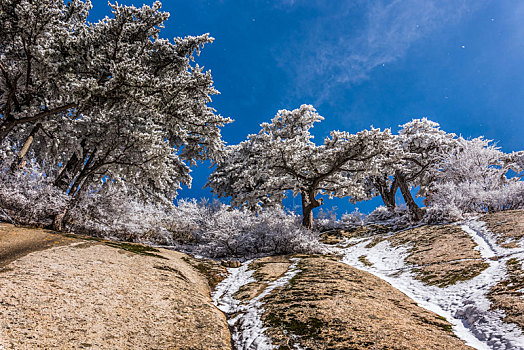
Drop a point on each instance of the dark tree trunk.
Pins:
(61, 221)
(308, 204)
(17, 163)
(10, 122)
(70, 170)
(386, 193)
(413, 208)
(6, 127)
(67, 172)
(81, 179)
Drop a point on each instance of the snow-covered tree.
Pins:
(125, 92)
(283, 157)
(477, 177)
(109, 101)
(35, 43)
(417, 153)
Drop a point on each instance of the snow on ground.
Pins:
(246, 321)
(464, 304)
(223, 294)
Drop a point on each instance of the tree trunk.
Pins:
(10, 122)
(413, 208)
(307, 217)
(17, 163)
(7, 125)
(308, 204)
(67, 173)
(387, 194)
(84, 173)
(71, 169)
(61, 221)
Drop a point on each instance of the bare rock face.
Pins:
(231, 263)
(508, 226)
(329, 305)
(441, 255)
(508, 294)
(103, 295)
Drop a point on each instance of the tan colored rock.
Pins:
(267, 269)
(231, 263)
(90, 295)
(16, 242)
(337, 236)
(441, 254)
(329, 305)
(507, 225)
(508, 294)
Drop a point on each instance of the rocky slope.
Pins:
(457, 286)
(65, 293)
(469, 272)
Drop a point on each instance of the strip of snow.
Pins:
(246, 323)
(463, 304)
(223, 294)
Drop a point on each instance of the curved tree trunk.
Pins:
(84, 175)
(413, 208)
(308, 204)
(17, 163)
(386, 193)
(71, 169)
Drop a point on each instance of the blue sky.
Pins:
(360, 63)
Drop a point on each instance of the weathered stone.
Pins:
(90, 295)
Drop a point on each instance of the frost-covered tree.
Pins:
(283, 157)
(477, 160)
(477, 177)
(417, 153)
(52, 61)
(105, 101)
(35, 43)
(126, 96)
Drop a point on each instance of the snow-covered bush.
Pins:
(474, 179)
(439, 213)
(399, 217)
(29, 198)
(451, 201)
(218, 230)
(209, 229)
(327, 220)
(115, 215)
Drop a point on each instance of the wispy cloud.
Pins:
(378, 33)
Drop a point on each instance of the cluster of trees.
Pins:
(283, 157)
(100, 122)
(93, 106)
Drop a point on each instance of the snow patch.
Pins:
(246, 321)
(463, 304)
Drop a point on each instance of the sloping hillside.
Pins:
(456, 286)
(65, 293)
(469, 272)
(321, 303)
(460, 285)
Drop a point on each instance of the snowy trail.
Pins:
(464, 304)
(244, 318)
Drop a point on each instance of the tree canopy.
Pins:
(283, 157)
(112, 99)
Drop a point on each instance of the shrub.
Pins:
(29, 198)
(327, 220)
(218, 230)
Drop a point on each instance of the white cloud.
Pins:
(382, 33)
